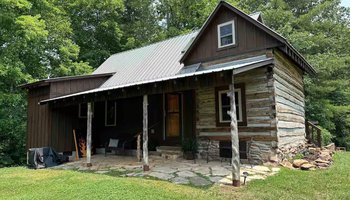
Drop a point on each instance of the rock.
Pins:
(180, 180)
(306, 166)
(226, 181)
(186, 174)
(321, 161)
(287, 164)
(199, 181)
(262, 169)
(325, 156)
(160, 175)
(167, 170)
(330, 147)
(321, 165)
(299, 162)
(215, 179)
(313, 150)
(220, 171)
(274, 159)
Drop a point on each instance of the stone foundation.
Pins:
(260, 151)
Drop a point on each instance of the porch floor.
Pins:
(179, 171)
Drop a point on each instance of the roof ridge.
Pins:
(181, 35)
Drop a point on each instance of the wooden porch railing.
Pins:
(313, 133)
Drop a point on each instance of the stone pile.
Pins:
(313, 158)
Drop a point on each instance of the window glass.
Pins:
(224, 106)
(226, 34)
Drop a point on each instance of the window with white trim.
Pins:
(224, 105)
(110, 113)
(226, 34)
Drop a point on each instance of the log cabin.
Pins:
(234, 83)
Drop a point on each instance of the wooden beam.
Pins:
(145, 133)
(88, 135)
(139, 147)
(235, 161)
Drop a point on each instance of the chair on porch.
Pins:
(120, 144)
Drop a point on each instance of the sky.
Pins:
(345, 3)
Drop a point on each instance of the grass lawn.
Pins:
(21, 183)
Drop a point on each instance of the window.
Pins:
(223, 106)
(110, 113)
(226, 34)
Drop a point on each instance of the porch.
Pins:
(178, 171)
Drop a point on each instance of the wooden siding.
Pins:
(289, 89)
(249, 38)
(39, 118)
(61, 88)
(260, 112)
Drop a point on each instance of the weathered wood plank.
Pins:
(145, 133)
(88, 135)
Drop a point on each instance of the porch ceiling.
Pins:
(238, 66)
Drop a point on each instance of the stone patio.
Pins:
(179, 171)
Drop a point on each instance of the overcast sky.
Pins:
(345, 3)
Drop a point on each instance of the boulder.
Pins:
(299, 162)
(330, 147)
(307, 166)
(325, 156)
(321, 165)
(287, 164)
(321, 161)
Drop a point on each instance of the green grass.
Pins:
(22, 183)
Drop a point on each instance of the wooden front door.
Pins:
(173, 118)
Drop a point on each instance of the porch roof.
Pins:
(238, 66)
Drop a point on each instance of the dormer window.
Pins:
(226, 34)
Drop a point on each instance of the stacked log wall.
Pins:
(290, 102)
(260, 130)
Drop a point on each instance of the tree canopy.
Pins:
(50, 38)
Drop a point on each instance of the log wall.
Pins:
(261, 129)
(289, 89)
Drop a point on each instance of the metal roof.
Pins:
(237, 66)
(151, 62)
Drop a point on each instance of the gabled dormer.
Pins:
(228, 32)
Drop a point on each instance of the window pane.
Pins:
(225, 116)
(225, 100)
(237, 112)
(236, 98)
(226, 40)
(226, 30)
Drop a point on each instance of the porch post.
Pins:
(145, 133)
(88, 135)
(235, 161)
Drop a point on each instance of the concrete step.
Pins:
(170, 152)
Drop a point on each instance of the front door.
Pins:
(173, 118)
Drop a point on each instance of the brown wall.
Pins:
(248, 38)
(61, 88)
(39, 118)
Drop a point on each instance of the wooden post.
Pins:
(319, 138)
(145, 133)
(88, 135)
(235, 161)
(139, 147)
(76, 146)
